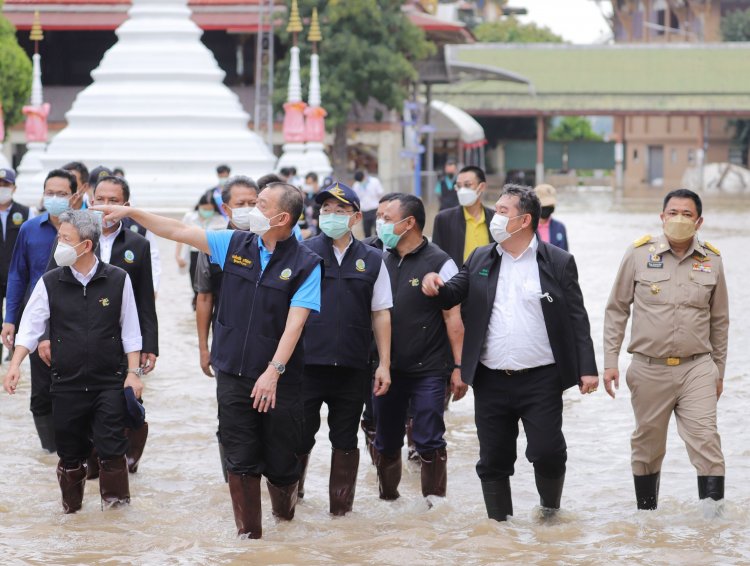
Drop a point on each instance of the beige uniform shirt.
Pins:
(680, 306)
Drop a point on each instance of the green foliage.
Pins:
(735, 26)
(573, 128)
(15, 73)
(368, 51)
(510, 30)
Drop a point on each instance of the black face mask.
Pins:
(547, 211)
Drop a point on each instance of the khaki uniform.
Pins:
(679, 341)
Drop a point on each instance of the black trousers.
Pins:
(41, 379)
(258, 443)
(80, 416)
(500, 401)
(368, 221)
(341, 389)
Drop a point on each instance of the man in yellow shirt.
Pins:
(462, 229)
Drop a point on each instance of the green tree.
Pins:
(368, 52)
(573, 128)
(510, 30)
(15, 73)
(735, 26)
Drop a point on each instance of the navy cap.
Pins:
(135, 414)
(339, 191)
(98, 173)
(8, 175)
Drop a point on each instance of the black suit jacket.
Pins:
(132, 252)
(564, 316)
(17, 215)
(449, 231)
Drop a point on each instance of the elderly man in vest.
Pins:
(270, 284)
(95, 343)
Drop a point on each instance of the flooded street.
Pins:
(181, 512)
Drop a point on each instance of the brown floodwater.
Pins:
(181, 511)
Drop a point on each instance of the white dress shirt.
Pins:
(517, 335)
(155, 259)
(36, 314)
(369, 192)
(382, 295)
(106, 241)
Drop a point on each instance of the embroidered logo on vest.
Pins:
(286, 274)
(359, 265)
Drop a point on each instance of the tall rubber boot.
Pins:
(245, 492)
(711, 487)
(137, 439)
(93, 465)
(45, 428)
(497, 499)
(72, 482)
(304, 460)
(435, 473)
(113, 482)
(283, 500)
(222, 457)
(647, 491)
(368, 427)
(389, 475)
(550, 493)
(412, 454)
(343, 480)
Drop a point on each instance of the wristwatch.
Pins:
(136, 371)
(278, 366)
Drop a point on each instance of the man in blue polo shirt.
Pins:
(28, 263)
(270, 284)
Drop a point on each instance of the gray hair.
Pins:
(528, 202)
(86, 224)
(241, 180)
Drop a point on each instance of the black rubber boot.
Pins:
(245, 492)
(283, 500)
(368, 427)
(343, 480)
(72, 482)
(497, 499)
(412, 454)
(434, 473)
(45, 428)
(137, 438)
(304, 460)
(647, 491)
(113, 482)
(711, 487)
(550, 493)
(93, 465)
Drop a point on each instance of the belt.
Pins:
(518, 371)
(667, 361)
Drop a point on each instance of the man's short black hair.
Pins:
(411, 206)
(82, 170)
(237, 181)
(290, 200)
(312, 175)
(63, 174)
(684, 193)
(388, 197)
(221, 169)
(528, 202)
(266, 180)
(481, 177)
(120, 182)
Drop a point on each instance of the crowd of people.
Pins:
(293, 312)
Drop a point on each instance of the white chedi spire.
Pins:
(158, 109)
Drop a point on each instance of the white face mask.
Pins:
(258, 223)
(65, 254)
(499, 227)
(466, 197)
(378, 225)
(6, 195)
(241, 217)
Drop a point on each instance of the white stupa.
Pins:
(158, 109)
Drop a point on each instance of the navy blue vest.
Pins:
(341, 334)
(253, 306)
(419, 339)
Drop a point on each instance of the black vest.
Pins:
(448, 196)
(253, 307)
(17, 215)
(341, 334)
(130, 224)
(84, 329)
(419, 339)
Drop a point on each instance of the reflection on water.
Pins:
(181, 511)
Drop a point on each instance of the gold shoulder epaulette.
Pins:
(642, 241)
(711, 247)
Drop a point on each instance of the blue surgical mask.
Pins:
(334, 225)
(205, 214)
(386, 235)
(56, 205)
